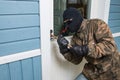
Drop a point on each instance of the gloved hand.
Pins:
(79, 50)
(63, 50)
(63, 43)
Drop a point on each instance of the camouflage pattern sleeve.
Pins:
(72, 58)
(103, 43)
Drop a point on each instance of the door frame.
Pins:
(46, 23)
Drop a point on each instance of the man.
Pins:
(92, 40)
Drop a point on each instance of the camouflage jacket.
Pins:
(103, 58)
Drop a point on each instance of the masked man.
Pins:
(92, 40)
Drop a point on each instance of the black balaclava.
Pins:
(74, 18)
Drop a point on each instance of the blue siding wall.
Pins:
(28, 69)
(19, 32)
(114, 19)
(19, 26)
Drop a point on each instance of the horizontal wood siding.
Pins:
(19, 26)
(28, 69)
(18, 7)
(19, 46)
(18, 21)
(114, 19)
(20, 32)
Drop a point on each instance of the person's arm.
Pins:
(104, 45)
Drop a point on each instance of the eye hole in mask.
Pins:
(67, 22)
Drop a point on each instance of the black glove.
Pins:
(63, 43)
(79, 50)
(63, 50)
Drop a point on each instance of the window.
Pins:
(80, 5)
(61, 5)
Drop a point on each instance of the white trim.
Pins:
(46, 22)
(93, 8)
(100, 9)
(19, 56)
(106, 10)
(116, 34)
